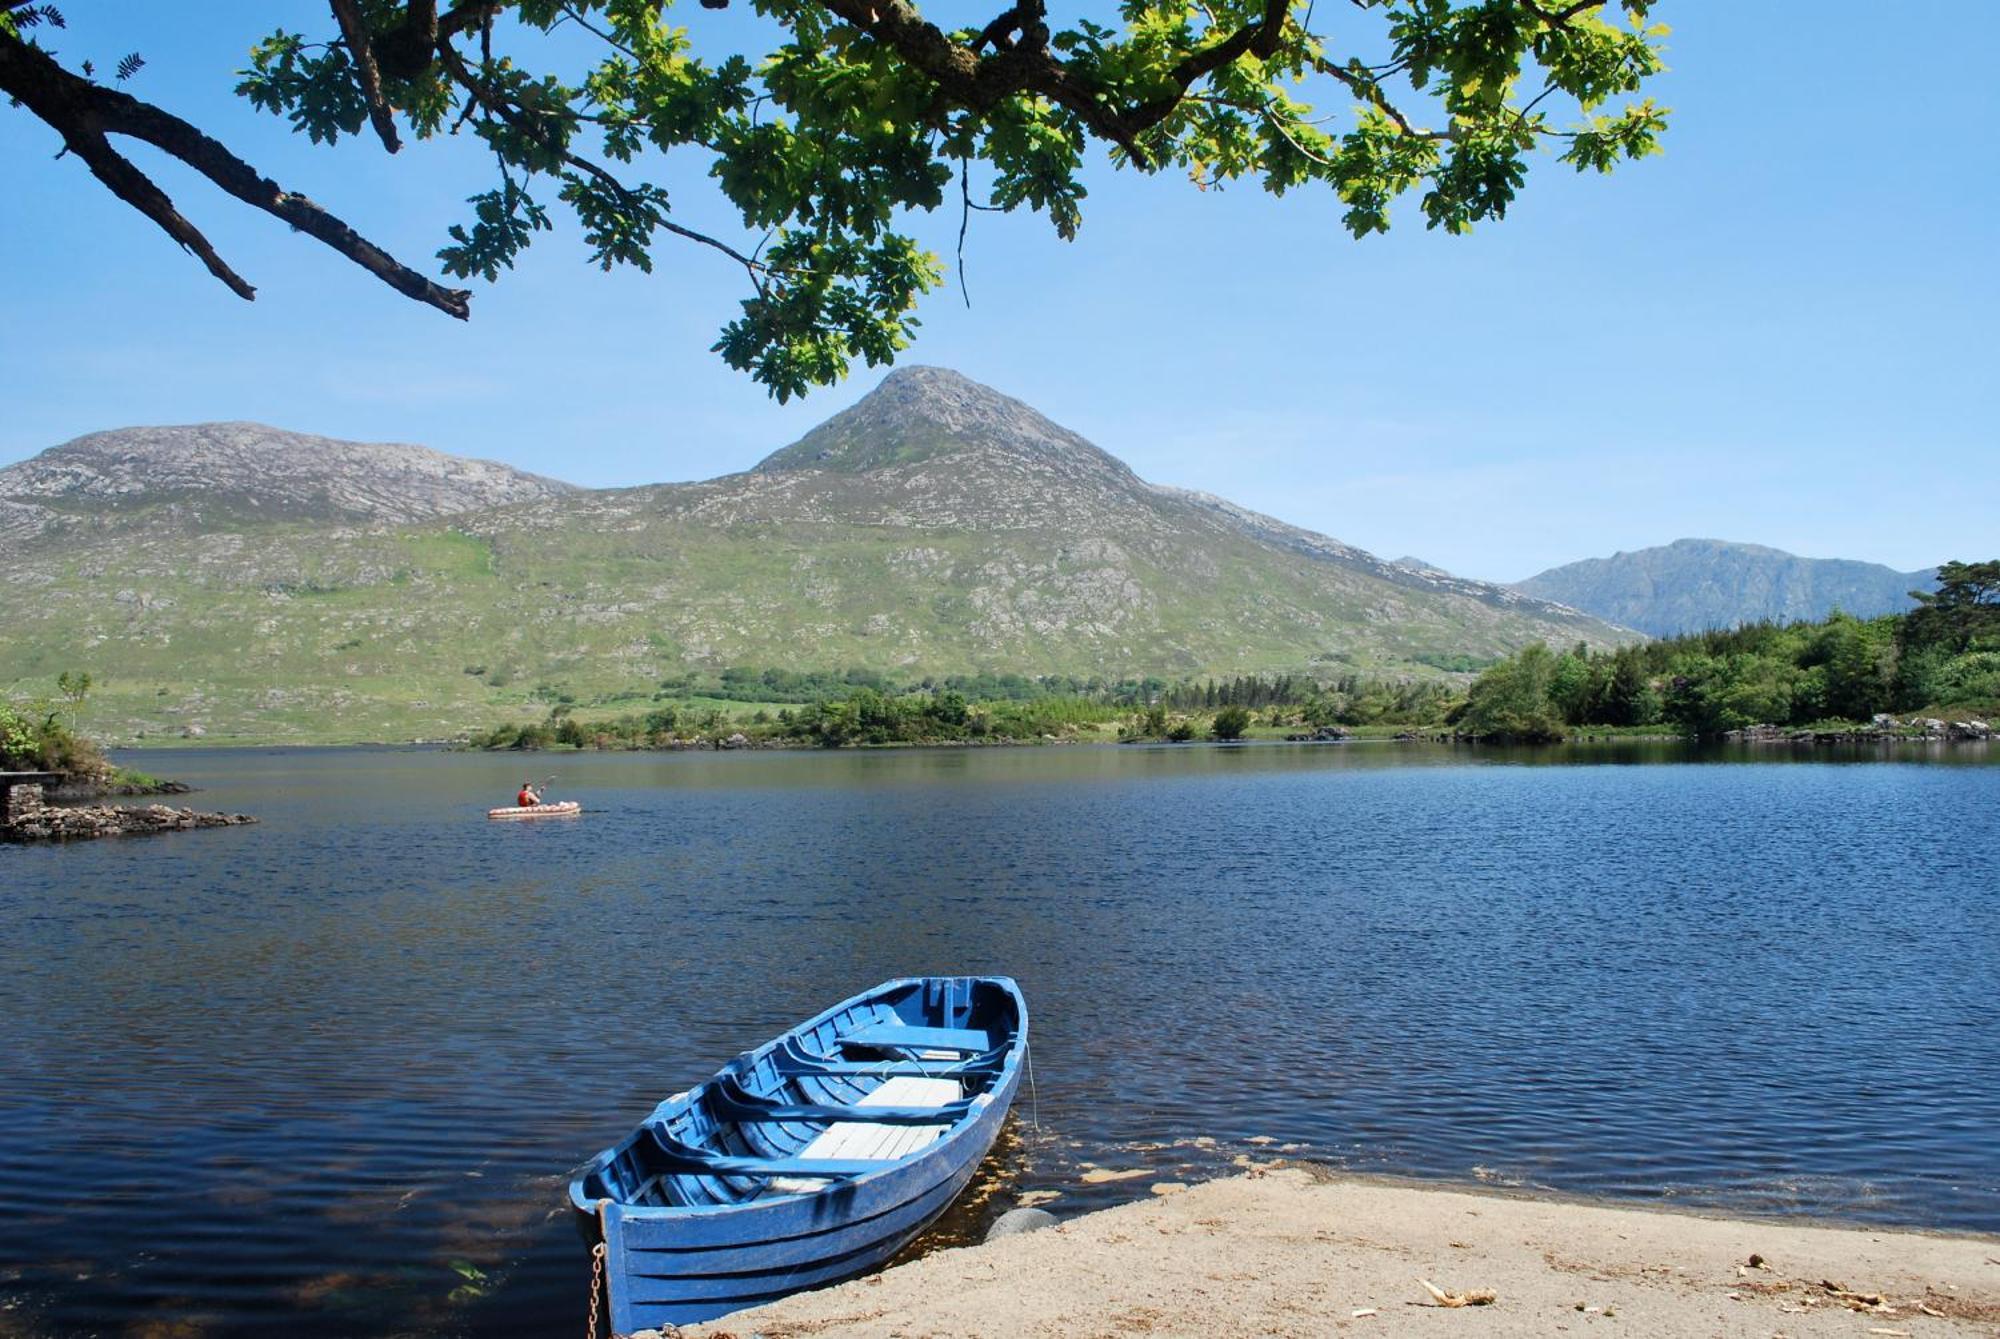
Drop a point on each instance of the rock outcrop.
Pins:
(1883, 728)
(204, 472)
(32, 819)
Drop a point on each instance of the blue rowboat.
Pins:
(810, 1160)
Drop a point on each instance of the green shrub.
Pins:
(34, 739)
(1511, 701)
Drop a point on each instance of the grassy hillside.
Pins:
(282, 634)
(986, 540)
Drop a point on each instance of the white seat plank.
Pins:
(867, 1141)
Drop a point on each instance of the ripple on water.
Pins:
(332, 1071)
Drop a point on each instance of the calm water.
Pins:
(335, 1068)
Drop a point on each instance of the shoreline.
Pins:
(1296, 1249)
(1805, 742)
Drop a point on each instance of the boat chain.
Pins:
(596, 1289)
(597, 1253)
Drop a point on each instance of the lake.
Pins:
(333, 1071)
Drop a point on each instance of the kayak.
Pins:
(558, 810)
(812, 1159)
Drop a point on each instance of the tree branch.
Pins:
(84, 113)
(354, 29)
(465, 14)
(1259, 39)
(979, 83)
(410, 48)
(136, 189)
(1557, 18)
(1370, 91)
(463, 76)
(1027, 17)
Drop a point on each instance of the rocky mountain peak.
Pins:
(260, 471)
(918, 413)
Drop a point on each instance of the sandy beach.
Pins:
(1294, 1250)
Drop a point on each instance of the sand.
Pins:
(1295, 1251)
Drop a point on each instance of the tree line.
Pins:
(1256, 691)
(864, 706)
(1944, 655)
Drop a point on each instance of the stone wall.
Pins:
(22, 803)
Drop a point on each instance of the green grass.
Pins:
(286, 636)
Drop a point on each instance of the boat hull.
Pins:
(681, 1264)
(560, 810)
(656, 1280)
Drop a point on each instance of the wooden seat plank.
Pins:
(867, 1141)
(969, 1041)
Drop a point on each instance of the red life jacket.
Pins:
(526, 799)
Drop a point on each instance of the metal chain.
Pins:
(596, 1289)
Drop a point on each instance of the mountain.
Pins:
(922, 413)
(936, 526)
(1693, 584)
(209, 474)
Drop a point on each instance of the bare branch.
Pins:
(85, 113)
(136, 189)
(964, 222)
(354, 28)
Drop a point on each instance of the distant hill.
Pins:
(209, 474)
(1694, 584)
(936, 526)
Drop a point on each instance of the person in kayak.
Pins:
(529, 797)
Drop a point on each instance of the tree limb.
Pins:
(1371, 91)
(1027, 17)
(354, 28)
(1558, 18)
(980, 83)
(136, 189)
(480, 93)
(410, 48)
(1259, 39)
(84, 113)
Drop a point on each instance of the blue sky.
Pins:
(1783, 330)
